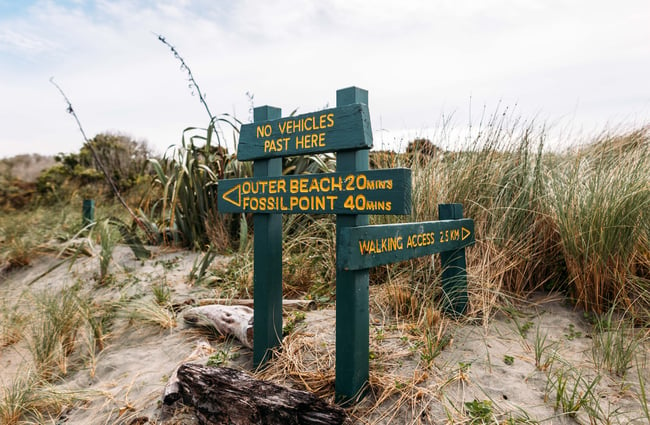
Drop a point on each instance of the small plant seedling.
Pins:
(463, 370)
(162, 294)
(509, 360)
(572, 390)
(379, 334)
(541, 347)
(170, 264)
(433, 346)
(615, 344)
(524, 328)
(218, 358)
(292, 321)
(572, 333)
(480, 411)
(464, 366)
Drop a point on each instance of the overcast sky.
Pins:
(576, 66)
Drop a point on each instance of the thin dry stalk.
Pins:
(152, 238)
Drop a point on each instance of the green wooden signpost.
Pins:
(267, 268)
(352, 192)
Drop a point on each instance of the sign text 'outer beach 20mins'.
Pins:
(374, 191)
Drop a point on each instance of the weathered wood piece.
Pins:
(236, 320)
(171, 391)
(287, 305)
(363, 247)
(347, 192)
(228, 396)
(331, 130)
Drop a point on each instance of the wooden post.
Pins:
(88, 211)
(352, 317)
(454, 271)
(267, 269)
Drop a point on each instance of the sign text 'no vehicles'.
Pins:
(368, 192)
(330, 130)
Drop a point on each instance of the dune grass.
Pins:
(576, 222)
(52, 334)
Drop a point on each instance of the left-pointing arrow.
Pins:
(236, 202)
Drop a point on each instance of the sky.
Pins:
(575, 67)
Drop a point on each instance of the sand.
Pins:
(488, 366)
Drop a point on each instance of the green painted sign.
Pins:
(362, 192)
(363, 247)
(343, 128)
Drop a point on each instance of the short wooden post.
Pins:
(88, 211)
(454, 271)
(267, 269)
(352, 316)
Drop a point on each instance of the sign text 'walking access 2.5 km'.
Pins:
(363, 192)
(363, 247)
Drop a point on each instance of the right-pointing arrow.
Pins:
(466, 233)
(237, 202)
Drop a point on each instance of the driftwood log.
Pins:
(287, 305)
(171, 393)
(228, 396)
(236, 320)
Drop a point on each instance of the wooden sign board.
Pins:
(369, 246)
(343, 128)
(363, 192)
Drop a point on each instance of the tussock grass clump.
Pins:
(601, 205)
(573, 391)
(148, 310)
(499, 177)
(12, 322)
(29, 399)
(575, 221)
(52, 335)
(616, 343)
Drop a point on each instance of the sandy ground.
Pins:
(490, 366)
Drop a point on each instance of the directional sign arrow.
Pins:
(229, 192)
(466, 233)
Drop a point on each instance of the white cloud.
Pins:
(583, 59)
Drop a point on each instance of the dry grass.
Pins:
(150, 312)
(28, 399)
(52, 334)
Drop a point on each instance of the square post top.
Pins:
(351, 95)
